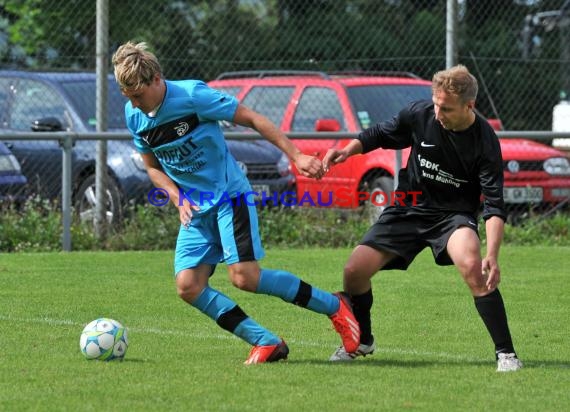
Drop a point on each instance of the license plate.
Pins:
(522, 194)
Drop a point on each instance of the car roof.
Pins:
(51, 76)
(347, 78)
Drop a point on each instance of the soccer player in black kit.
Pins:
(455, 157)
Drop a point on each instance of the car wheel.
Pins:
(86, 201)
(380, 189)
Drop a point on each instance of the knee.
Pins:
(472, 275)
(352, 272)
(189, 292)
(243, 280)
(471, 267)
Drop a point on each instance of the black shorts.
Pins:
(406, 231)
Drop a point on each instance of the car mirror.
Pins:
(327, 125)
(47, 124)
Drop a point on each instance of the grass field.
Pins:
(433, 351)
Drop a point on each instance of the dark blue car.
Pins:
(12, 181)
(62, 101)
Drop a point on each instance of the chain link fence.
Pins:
(518, 49)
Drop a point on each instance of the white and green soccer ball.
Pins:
(104, 339)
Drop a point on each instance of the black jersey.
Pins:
(450, 170)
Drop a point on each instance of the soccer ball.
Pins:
(104, 339)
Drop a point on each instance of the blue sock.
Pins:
(230, 317)
(293, 290)
(255, 334)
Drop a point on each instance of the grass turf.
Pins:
(433, 350)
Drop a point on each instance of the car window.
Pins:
(269, 101)
(232, 91)
(317, 103)
(34, 100)
(83, 96)
(374, 104)
(5, 87)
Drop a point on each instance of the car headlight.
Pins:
(557, 166)
(284, 165)
(8, 163)
(137, 160)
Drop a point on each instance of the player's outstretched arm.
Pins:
(309, 166)
(335, 156)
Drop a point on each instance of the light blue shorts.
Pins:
(228, 233)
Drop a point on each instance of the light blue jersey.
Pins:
(187, 140)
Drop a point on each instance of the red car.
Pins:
(535, 174)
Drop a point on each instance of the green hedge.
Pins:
(36, 226)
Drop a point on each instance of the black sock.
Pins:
(492, 310)
(361, 305)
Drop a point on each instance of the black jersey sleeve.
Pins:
(391, 134)
(491, 176)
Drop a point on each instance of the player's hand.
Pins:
(185, 210)
(309, 166)
(333, 157)
(491, 272)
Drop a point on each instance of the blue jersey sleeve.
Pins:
(132, 120)
(140, 145)
(212, 104)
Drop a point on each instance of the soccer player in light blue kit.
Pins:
(175, 127)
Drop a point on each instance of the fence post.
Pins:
(102, 50)
(451, 34)
(67, 146)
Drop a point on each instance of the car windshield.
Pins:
(374, 104)
(82, 95)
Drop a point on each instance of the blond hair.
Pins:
(135, 66)
(458, 81)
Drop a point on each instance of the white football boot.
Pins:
(508, 362)
(340, 354)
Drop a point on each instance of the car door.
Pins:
(318, 103)
(26, 101)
